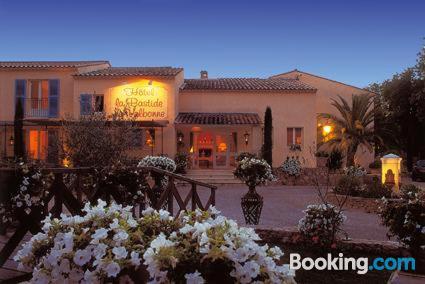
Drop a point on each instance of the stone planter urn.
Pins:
(252, 205)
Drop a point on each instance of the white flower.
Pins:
(252, 268)
(135, 258)
(114, 224)
(194, 278)
(99, 234)
(81, 257)
(100, 250)
(164, 215)
(112, 269)
(120, 236)
(148, 211)
(90, 277)
(119, 252)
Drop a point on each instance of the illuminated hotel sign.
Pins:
(145, 101)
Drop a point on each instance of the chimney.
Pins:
(204, 74)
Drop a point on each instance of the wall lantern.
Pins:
(180, 137)
(326, 130)
(246, 136)
(391, 167)
(11, 140)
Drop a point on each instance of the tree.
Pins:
(354, 125)
(99, 140)
(18, 128)
(268, 143)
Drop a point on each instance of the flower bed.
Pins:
(107, 243)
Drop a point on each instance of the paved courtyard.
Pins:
(283, 206)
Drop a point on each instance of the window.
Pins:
(37, 144)
(39, 94)
(98, 103)
(91, 103)
(294, 136)
(150, 137)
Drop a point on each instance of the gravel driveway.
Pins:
(283, 206)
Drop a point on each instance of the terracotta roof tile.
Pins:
(133, 71)
(227, 84)
(49, 64)
(217, 118)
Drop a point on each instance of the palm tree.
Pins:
(353, 127)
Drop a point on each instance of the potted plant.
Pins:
(253, 172)
(291, 167)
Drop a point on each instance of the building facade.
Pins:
(211, 119)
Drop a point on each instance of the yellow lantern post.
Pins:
(391, 169)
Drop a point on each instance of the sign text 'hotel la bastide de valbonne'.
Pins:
(145, 101)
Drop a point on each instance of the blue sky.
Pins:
(357, 42)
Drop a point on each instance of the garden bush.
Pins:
(353, 185)
(253, 172)
(321, 224)
(405, 218)
(244, 155)
(107, 244)
(291, 167)
(376, 164)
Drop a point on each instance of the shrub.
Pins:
(335, 160)
(108, 244)
(353, 185)
(291, 167)
(405, 218)
(160, 162)
(182, 160)
(254, 172)
(348, 185)
(355, 171)
(244, 155)
(321, 224)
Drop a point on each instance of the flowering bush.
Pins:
(253, 171)
(108, 243)
(405, 218)
(31, 192)
(291, 167)
(130, 183)
(160, 162)
(321, 224)
(355, 171)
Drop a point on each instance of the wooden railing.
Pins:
(71, 197)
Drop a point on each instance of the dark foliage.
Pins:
(335, 160)
(19, 146)
(268, 128)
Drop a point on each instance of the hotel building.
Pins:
(212, 119)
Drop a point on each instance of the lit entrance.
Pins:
(214, 149)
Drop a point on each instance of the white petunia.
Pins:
(81, 257)
(112, 269)
(99, 234)
(194, 278)
(119, 252)
(135, 258)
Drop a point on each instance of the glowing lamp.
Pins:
(222, 147)
(191, 150)
(246, 136)
(11, 141)
(391, 167)
(327, 129)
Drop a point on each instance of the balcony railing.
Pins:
(36, 107)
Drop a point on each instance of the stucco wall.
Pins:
(288, 109)
(107, 87)
(326, 91)
(7, 88)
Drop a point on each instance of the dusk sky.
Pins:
(356, 42)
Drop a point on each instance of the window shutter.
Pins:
(85, 104)
(20, 92)
(53, 98)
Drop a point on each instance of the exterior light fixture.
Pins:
(246, 136)
(180, 137)
(11, 140)
(327, 129)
